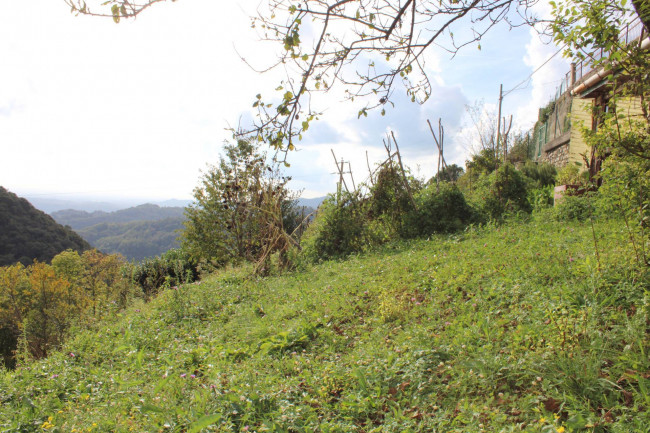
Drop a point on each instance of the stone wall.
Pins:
(558, 156)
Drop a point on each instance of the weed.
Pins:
(499, 328)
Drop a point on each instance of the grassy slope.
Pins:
(508, 329)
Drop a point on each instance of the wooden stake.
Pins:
(340, 170)
(369, 171)
(354, 188)
(406, 182)
(505, 137)
(496, 152)
(440, 145)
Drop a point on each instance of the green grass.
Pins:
(509, 328)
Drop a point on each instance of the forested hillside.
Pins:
(135, 240)
(27, 233)
(146, 212)
(137, 232)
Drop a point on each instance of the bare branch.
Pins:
(369, 47)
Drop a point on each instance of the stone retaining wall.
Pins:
(558, 157)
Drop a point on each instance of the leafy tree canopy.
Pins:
(239, 208)
(450, 173)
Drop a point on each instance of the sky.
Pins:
(138, 110)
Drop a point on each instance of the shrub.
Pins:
(239, 208)
(440, 210)
(574, 207)
(171, 268)
(449, 173)
(541, 198)
(540, 175)
(389, 199)
(571, 174)
(503, 191)
(338, 229)
(625, 194)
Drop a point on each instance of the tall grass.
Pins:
(508, 328)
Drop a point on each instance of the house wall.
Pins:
(581, 117)
(629, 108)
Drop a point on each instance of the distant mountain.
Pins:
(27, 233)
(89, 204)
(311, 202)
(135, 240)
(138, 232)
(145, 212)
(174, 203)
(50, 205)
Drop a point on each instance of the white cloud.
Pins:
(545, 80)
(137, 109)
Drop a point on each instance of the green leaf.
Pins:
(151, 408)
(361, 379)
(115, 10)
(139, 358)
(305, 57)
(160, 385)
(576, 422)
(120, 349)
(204, 422)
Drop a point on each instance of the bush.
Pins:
(574, 207)
(171, 268)
(503, 192)
(389, 199)
(338, 229)
(571, 174)
(239, 208)
(541, 198)
(625, 193)
(539, 175)
(438, 211)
